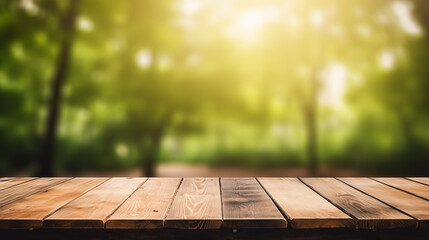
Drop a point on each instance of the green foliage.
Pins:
(217, 83)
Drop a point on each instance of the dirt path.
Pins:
(183, 170)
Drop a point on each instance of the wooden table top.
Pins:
(213, 203)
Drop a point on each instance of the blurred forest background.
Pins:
(98, 85)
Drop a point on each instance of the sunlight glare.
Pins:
(250, 20)
(84, 24)
(144, 58)
(189, 7)
(122, 150)
(387, 59)
(29, 6)
(403, 12)
(334, 85)
(317, 18)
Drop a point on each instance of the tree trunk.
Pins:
(47, 150)
(311, 124)
(312, 142)
(154, 145)
(407, 131)
(151, 157)
(421, 12)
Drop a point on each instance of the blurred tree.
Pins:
(244, 82)
(66, 32)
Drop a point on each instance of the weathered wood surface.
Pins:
(406, 185)
(92, 209)
(147, 207)
(407, 203)
(247, 205)
(11, 181)
(25, 189)
(423, 180)
(29, 212)
(303, 207)
(214, 204)
(197, 205)
(369, 212)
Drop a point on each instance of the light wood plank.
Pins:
(303, 207)
(423, 180)
(406, 185)
(247, 205)
(416, 207)
(92, 209)
(12, 181)
(29, 212)
(25, 189)
(197, 205)
(369, 212)
(147, 207)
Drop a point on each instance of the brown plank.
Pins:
(406, 185)
(423, 180)
(414, 206)
(29, 212)
(303, 207)
(247, 205)
(147, 207)
(25, 189)
(92, 209)
(197, 205)
(12, 181)
(369, 212)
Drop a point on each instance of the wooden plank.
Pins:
(303, 207)
(17, 192)
(92, 209)
(247, 205)
(12, 181)
(29, 212)
(369, 212)
(197, 205)
(147, 207)
(423, 180)
(412, 205)
(406, 185)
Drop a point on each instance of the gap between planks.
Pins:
(29, 212)
(13, 181)
(247, 205)
(413, 206)
(303, 207)
(147, 206)
(92, 209)
(405, 185)
(197, 205)
(369, 212)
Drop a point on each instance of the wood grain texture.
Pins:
(247, 205)
(423, 180)
(369, 212)
(303, 207)
(92, 209)
(414, 206)
(7, 182)
(25, 189)
(197, 205)
(406, 185)
(29, 212)
(147, 207)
